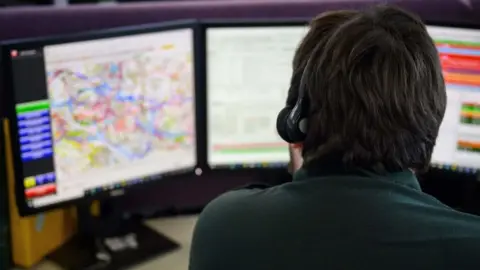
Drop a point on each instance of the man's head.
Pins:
(375, 90)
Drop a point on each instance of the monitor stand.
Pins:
(109, 242)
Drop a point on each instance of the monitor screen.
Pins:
(458, 142)
(102, 114)
(248, 75)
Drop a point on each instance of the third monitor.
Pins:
(458, 143)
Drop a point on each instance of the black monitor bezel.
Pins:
(10, 112)
(229, 23)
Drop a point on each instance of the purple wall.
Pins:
(37, 21)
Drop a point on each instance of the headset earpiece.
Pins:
(282, 124)
(296, 122)
(292, 123)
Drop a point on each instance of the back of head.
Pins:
(375, 89)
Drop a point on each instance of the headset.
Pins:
(292, 122)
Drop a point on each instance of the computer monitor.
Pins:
(458, 142)
(92, 114)
(249, 66)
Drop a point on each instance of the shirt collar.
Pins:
(406, 177)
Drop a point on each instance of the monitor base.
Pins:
(110, 243)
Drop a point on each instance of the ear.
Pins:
(297, 145)
(296, 159)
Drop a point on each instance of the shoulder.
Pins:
(462, 253)
(460, 239)
(224, 228)
(232, 206)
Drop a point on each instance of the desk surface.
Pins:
(178, 229)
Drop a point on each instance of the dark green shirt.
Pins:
(327, 219)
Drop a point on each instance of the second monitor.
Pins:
(248, 73)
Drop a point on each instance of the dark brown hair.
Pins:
(375, 89)
(320, 29)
